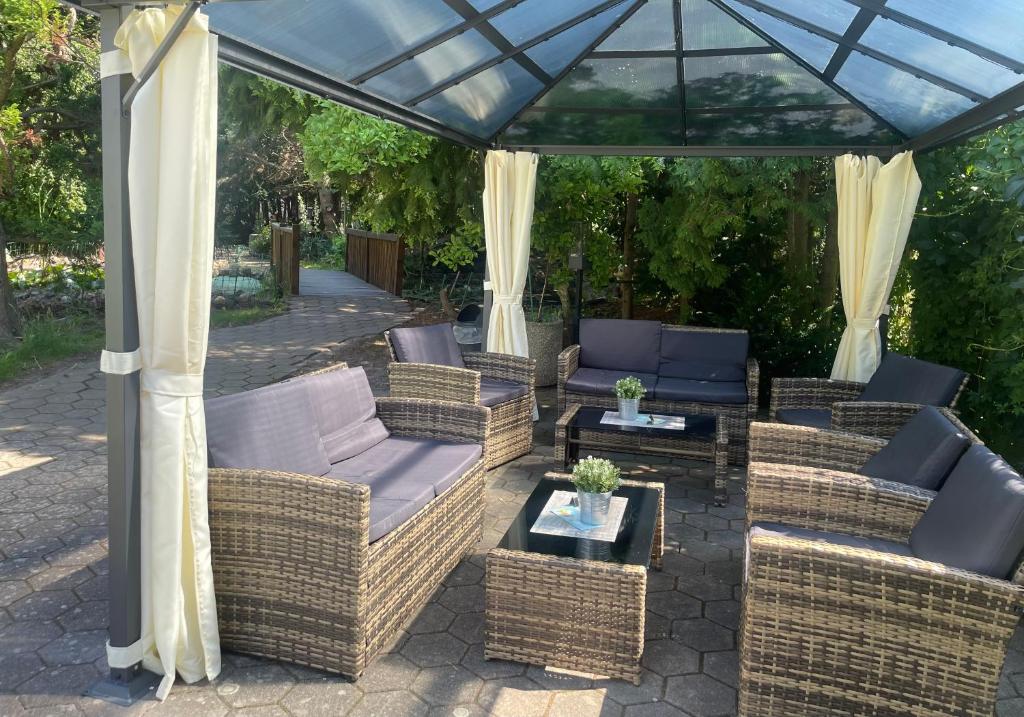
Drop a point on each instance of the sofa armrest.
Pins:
(838, 623)
(568, 363)
(810, 393)
(503, 367)
(834, 501)
(440, 420)
(881, 419)
(811, 447)
(434, 382)
(285, 544)
(753, 386)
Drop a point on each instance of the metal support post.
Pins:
(123, 685)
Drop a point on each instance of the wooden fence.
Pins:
(377, 259)
(284, 256)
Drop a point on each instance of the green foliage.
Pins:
(630, 388)
(967, 273)
(596, 475)
(59, 275)
(48, 339)
(225, 318)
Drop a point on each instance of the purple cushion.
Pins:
(271, 428)
(683, 389)
(601, 382)
(345, 410)
(819, 536)
(704, 355)
(493, 391)
(427, 344)
(620, 345)
(386, 514)
(976, 522)
(922, 453)
(406, 467)
(903, 379)
(811, 417)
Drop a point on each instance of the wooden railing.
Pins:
(377, 259)
(284, 256)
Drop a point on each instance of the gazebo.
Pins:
(642, 77)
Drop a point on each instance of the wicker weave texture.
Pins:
(737, 416)
(831, 630)
(811, 447)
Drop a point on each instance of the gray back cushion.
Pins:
(620, 344)
(345, 411)
(976, 522)
(922, 453)
(903, 379)
(427, 344)
(273, 428)
(704, 355)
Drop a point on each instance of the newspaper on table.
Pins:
(561, 517)
(646, 420)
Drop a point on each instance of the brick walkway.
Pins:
(53, 585)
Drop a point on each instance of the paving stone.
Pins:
(700, 695)
(468, 627)
(660, 709)
(703, 635)
(390, 704)
(463, 598)
(387, 673)
(674, 605)
(57, 685)
(514, 697)
(434, 650)
(723, 666)
(704, 587)
(451, 684)
(490, 669)
(670, 657)
(724, 612)
(432, 618)
(85, 616)
(583, 703)
(75, 648)
(626, 693)
(253, 686)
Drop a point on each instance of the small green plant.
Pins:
(596, 475)
(630, 388)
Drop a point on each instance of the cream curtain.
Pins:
(510, 179)
(171, 179)
(876, 206)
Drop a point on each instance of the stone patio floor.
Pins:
(53, 572)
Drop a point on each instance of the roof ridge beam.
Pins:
(436, 40)
(814, 72)
(852, 35)
(515, 51)
(939, 34)
(864, 50)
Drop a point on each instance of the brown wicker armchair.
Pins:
(480, 379)
(297, 577)
(834, 629)
(841, 405)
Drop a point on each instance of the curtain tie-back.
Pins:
(171, 383)
(124, 657)
(864, 324)
(507, 299)
(120, 363)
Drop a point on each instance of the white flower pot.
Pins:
(594, 507)
(629, 408)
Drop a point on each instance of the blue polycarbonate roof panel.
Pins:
(648, 73)
(554, 55)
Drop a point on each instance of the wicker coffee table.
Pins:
(575, 604)
(705, 438)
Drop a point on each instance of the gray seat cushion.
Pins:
(493, 391)
(704, 355)
(386, 514)
(818, 536)
(620, 345)
(406, 467)
(976, 522)
(922, 453)
(427, 344)
(812, 417)
(272, 428)
(601, 382)
(684, 389)
(903, 379)
(345, 410)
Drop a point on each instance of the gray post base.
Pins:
(125, 687)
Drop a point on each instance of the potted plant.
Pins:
(629, 391)
(595, 479)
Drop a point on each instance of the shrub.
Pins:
(596, 475)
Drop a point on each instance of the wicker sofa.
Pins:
(685, 369)
(870, 596)
(895, 392)
(323, 569)
(428, 363)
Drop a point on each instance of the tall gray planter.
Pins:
(545, 340)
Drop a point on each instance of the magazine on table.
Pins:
(646, 420)
(561, 516)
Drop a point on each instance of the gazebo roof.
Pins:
(661, 77)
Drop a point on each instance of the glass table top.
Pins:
(632, 545)
(700, 427)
